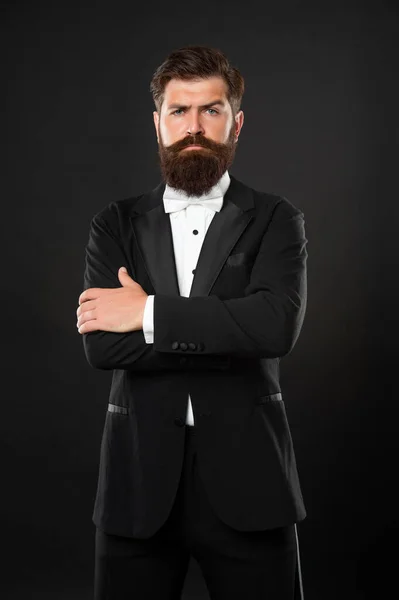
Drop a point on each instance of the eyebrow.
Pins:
(177, 105)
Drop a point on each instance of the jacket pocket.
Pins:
(238, 259)
(121, 410)
(278, 397)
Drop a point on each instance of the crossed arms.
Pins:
(264, 323)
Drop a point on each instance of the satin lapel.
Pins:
(153, 233)
(223, 233)
(154, 238)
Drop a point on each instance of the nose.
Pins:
(195, 127)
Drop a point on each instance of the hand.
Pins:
(112, 309)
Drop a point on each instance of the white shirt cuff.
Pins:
(148, 320)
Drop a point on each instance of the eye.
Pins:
(176, 111)
(215, 112)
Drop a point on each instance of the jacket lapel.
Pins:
(153, 233)
(154, 239)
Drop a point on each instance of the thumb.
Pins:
(124, 277)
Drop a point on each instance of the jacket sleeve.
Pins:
(266, 322)
(104, 255)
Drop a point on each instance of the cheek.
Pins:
(171, 131)
(220, 132)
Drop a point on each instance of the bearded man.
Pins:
(192, 294)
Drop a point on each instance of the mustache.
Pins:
(196, 140)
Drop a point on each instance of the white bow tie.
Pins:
(175, 203)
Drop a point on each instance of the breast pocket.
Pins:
(238, 259)
(235, 276)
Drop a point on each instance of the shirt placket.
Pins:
(194, 236)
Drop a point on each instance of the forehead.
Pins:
(195, 91)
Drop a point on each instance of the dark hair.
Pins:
(198, 62)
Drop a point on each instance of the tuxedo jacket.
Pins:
(222, 345)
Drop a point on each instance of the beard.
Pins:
(195, 171)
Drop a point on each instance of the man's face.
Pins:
(196, 134)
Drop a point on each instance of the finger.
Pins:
(90, 294)
(85, 306)
(89, 326)
(89, 315)
(124, 277)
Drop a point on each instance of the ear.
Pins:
(156, 123)
(239, 121)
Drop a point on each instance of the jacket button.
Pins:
(192, 346)
(183, 346)
(175, 345)
(200, 346)
(179, 422)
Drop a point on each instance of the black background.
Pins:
(321, 128)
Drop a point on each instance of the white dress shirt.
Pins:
(189, 222)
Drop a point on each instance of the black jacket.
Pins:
(222, 345)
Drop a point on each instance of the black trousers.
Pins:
(257, 565)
